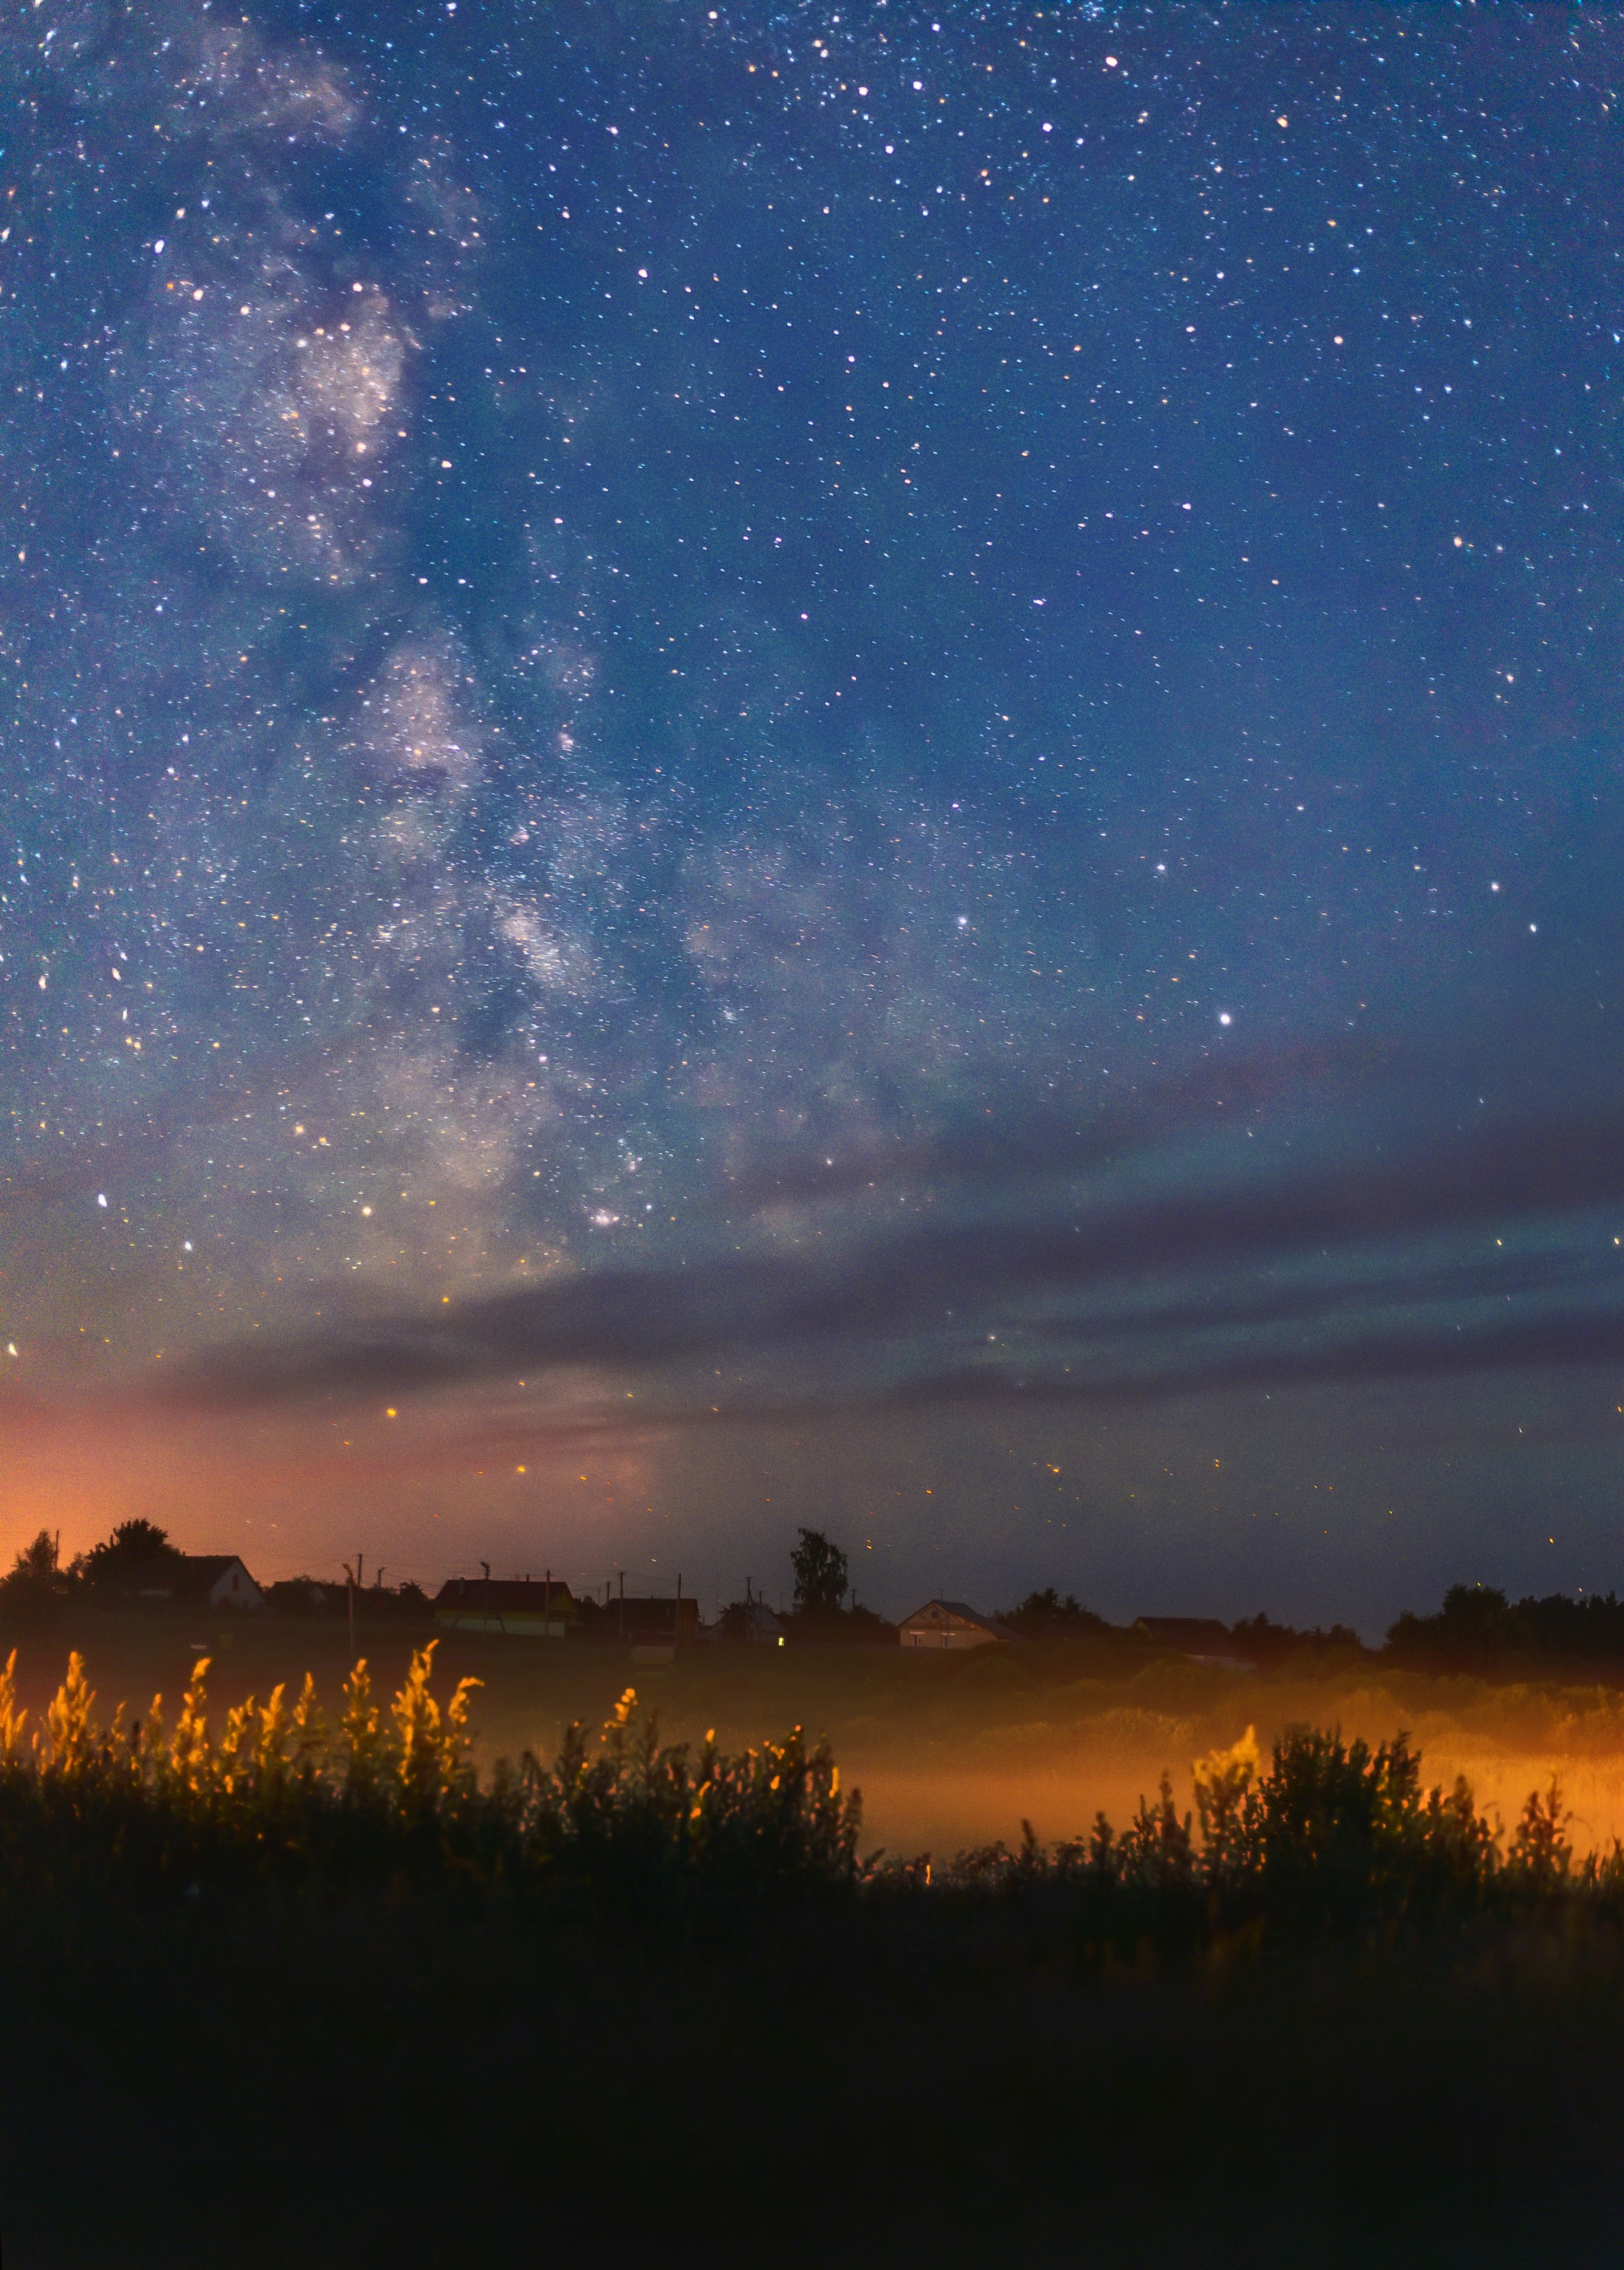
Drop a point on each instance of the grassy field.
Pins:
(948, 1751)
(274, 2033)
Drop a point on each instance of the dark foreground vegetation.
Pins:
(294, 1990)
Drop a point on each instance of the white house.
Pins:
(951, 1624)
(214, 1580)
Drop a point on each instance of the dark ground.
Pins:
(433, 2081)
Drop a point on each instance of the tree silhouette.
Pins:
(1046, 1615)
(821, 1575)
(135, 1546)
(35, 1586)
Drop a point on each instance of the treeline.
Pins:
(138, 1561)
(1479, 1631)
(1260, 1640)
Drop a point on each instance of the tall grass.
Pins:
(1331, 1836)
(280, 1790)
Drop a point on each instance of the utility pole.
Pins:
(486, 1567)
(350, 1596)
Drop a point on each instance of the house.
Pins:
(304, 1596)
(749, 1620)
(650, 1628)
(951, 1624)
(1202, 1638)
(196, 1580)
(757, 1623)
(522, 1606)
(647, 1622)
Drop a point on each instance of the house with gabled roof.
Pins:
(950, 1625)
(196, 1580)
(523, 1606)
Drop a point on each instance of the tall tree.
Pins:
(821, 1575)
(35, 1586)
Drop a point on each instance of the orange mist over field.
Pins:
(947, 1753)
(948, 1809)
(946, 1764)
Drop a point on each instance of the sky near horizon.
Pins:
(770, 765)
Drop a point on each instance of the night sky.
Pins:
(771, 765)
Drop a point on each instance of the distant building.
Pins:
(304, 1596)
(1202, 1638)
(198, 1580)
(951, 1624)
(647, 1622)
(522, 1606)
(752, 1620)
(762, 1626)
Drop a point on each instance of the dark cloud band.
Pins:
(934, 1288)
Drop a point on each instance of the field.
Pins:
(421, 2063)
(949, 1751)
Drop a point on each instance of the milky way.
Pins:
(787, 670)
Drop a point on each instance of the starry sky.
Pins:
(782, 764)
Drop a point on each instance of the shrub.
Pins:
(1336, 1838)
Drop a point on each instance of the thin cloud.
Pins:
(901, 1290)
(1046, 1140)
(1389, 1358)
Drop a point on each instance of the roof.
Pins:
(506, 1595)
(963, 1613)
(1189, 1634)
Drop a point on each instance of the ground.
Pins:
(429, 2071)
